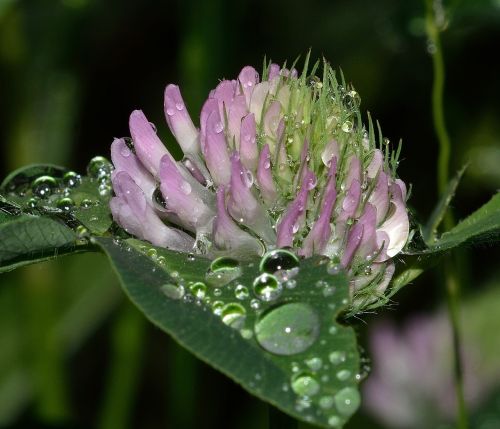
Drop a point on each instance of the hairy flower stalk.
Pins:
(281, 161)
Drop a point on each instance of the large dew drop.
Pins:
(277, 260)
(266, 287)
(305, 384)
(233, 315)
(44, 186)
(347, 401)
(222, 271)
(288, 329)
(99, 168)
(173, 291)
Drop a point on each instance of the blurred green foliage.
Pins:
(73, 352)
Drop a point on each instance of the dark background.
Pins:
(71, 71)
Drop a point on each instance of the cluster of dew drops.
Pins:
(280, 327)
(56, 194)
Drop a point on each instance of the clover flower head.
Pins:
(281, 161)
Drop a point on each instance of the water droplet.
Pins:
(222, 271)
(277, 260)
(347, 126)
(104, 189)
(198, 289)
(44, 186)
(267, 287)
(161, 260)
(288, 329)
(326, 402)
(368, 270)
(99, 168)
(152, 253)
(304, 384)
(328, 291)
(241, 292)
(173, 291)
(314, 363)
(333, 268)
(233, 315)
(186, 188)
(347, 401)
(255, 304)
(337, 357)
(334, 421)
(86, 203)
(170, 111)
(219, 127)
(65, 204)
(72, 179)
(343, 374)
(246, 333)
(291, 284)
(32, 203)
(179, 106)
(217, 307)
(332, 330)
(217, 292)
(352, 99)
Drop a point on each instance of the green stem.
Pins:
(280, 420)
(452, 280)
(128, 336)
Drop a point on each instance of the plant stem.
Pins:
(452, 280)
(128, 339)
(280, 420)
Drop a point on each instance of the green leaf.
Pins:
(20, 180)
(482, 225)
(289, 351)
(27, 239)
(87, 197)
(430, 229)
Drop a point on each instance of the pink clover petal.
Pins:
(242, 204)
(215, 150)
(148, 146)
(179, 121)
(274, 70)
(125, 160)
(368, 244)
(237, 110)
(249, 152)
(210, 105)
(140, 218)
(227, 235)
(294, 214)
(182, 198)
(258, 99)
(397, 226)
(375, 164)
(331, 150)
(380, 196)
(265, 178)
(354, 238)
(272, 120)
(320, 234)
(248, 78)
(354, 172)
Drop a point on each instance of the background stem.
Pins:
(452, 280)
(123, 376)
